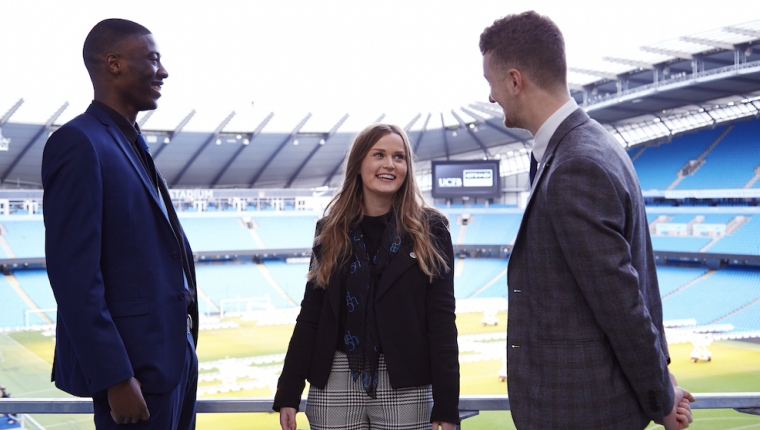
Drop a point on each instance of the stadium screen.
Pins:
(457, 179)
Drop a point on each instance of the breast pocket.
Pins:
(128, 308)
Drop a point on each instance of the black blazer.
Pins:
(416, 321)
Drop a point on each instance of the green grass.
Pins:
(26, 357)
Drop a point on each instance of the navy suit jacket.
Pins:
(113, 262)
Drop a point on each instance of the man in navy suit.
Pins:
(117, 258)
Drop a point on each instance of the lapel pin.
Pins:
(413, 255)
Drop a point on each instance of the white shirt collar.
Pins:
(545, 133)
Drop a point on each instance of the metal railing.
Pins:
(469, 405)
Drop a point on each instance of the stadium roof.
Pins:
(651, 94)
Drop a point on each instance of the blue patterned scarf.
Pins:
(361, 337)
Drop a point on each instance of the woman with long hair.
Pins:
(376, 336)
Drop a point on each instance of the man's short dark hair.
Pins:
(107, 35)
(530, 43)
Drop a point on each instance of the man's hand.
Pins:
(680, 417)
(288, 418)
(127, 402)
(443, 426)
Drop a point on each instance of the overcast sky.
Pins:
(325, 57)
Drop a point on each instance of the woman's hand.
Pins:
(288, 418)
(443, 426)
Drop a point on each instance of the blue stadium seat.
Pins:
(290, 277)
(26, 238)
(731, 163)
(286, 232)
(657, 167)
(235, 281)
(476, 273)
(718, 218)
(217, 234)
(673, 278)
(747, 319)
(682, 218)
(717, 295)
(36, 285)
(492, 229)
(679, 243)
(745, 240)
(13, 314)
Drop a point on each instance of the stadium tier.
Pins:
(714, 296)
(675, 231)
(732, 163)
(472, 274)
(286, 232)
(25, 238)
(218, 234)
(672, 278)
(745, 240)
(731, 156)
(679, 244)
(657, 166)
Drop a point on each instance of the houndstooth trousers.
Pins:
(344, 405)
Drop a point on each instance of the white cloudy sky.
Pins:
(326, 57)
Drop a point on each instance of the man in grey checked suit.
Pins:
(586, 345)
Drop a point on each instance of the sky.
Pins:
(328, 58)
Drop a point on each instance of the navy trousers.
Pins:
(168, 411)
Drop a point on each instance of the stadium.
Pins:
(687, 111)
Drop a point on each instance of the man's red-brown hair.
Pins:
(530, 43)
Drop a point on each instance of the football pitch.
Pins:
(26, 357)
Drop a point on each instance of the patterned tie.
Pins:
(533, 168)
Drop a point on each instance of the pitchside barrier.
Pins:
(469, 405)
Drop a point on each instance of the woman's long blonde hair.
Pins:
(413, 215)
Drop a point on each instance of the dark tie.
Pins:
(533, 168)
(163, 194)
(147, 160)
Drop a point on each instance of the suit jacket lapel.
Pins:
(126, 148)
(575, 119)
(399, 263)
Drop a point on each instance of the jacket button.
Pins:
(181, 295)
(175, 254)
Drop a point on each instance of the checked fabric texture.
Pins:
(345, 405)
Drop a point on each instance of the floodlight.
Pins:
(218, 141)
(472, 125)
(295, 142)
(321, 141)
(454, 134)
(239, 137)
(498, 156)
(730, 103)
(167, 140)
(246, 141)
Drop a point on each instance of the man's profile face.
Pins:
(499, 83)
(141, 72)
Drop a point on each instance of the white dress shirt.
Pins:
(545, 133)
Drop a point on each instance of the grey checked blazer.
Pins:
(586, 346)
